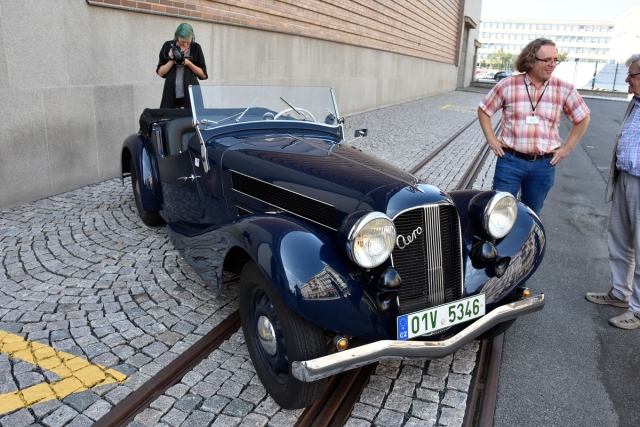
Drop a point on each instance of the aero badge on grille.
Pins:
(402, 242)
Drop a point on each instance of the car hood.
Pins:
(310, 165)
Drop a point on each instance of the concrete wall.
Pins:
(472, 10)
(74, 79)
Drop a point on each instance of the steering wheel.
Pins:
(291, 109)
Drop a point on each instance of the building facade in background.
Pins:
(626, 33)
(581, 41)
(92, 68)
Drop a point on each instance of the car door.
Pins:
(216, 209)
(180, 197)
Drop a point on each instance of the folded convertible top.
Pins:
(152, 115)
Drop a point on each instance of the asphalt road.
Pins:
(566, 366)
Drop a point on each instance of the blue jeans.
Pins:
(535, 179)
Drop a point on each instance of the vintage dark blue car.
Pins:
(343, 259)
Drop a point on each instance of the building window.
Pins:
(554, 27)
(587, 39)
(565, 49)
(610, 29)
(572, 49)
(578, 50)
(499, 25)
(581, 28)
(592, 50)
(573, 38)
(588, 28)
(519, 26)
(561, 27)
(574, 28)
(540, 27)
(599, 51)
(493, 25)
(606, 51)
(580, 40)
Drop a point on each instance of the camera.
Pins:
(177, 55)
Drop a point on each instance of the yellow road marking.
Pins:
(77, 374)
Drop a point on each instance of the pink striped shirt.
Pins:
(510, 95)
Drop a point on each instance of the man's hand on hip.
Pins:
(496, 146)
(559, 154)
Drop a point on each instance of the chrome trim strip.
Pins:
(322, 367)
(193, 107)
(441, 202)
(335, 106)
(279, 207)
(433, 249)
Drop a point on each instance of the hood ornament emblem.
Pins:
(402, 241)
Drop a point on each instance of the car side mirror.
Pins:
(360, 133)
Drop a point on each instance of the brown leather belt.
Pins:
(525, 156)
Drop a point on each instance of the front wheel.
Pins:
(276, 336)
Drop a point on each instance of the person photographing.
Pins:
(181, 64)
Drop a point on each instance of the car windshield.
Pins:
(215, 106)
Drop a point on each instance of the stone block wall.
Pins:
(74, 77)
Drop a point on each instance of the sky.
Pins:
(594, 10)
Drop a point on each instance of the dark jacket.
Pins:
(168, 94)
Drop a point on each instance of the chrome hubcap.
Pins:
(266, 335)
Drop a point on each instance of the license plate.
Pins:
(433, 319)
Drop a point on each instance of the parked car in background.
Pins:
(487, 75)
(343, 259)
(502, 75)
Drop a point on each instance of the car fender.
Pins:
(134, 147)
(311, 274)
(524, 245)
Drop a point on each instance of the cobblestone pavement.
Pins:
(82, 275)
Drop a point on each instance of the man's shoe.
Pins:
(629, 320)
(606, 298)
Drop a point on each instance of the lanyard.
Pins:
(526, 86)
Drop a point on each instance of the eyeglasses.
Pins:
(631, 75)
(553, 62)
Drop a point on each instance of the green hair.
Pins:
(184, 31)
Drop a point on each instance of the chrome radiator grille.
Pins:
(428, 257)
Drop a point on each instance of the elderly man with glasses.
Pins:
(530, 146)
(623, 235)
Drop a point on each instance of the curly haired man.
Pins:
(530, 146)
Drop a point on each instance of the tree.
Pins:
(501, 60)
(562, 56)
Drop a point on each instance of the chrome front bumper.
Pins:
(312, 370)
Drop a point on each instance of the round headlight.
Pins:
(371, 240)
(500, 215)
